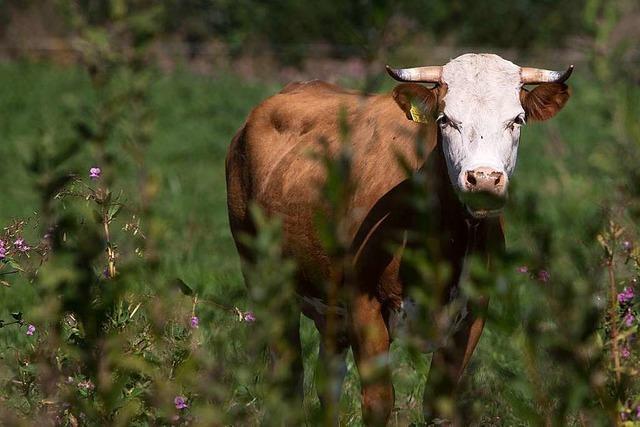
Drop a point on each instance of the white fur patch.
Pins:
(483, 97)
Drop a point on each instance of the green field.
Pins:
(570, 176)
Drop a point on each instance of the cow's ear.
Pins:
(417, 102)
(544, 101)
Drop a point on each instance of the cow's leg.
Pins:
(285, 351)
(370, 342)
(283, 344)
(448, 365)
(330, 373)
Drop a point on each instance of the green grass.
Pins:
(564, 167)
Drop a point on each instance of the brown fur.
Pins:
(273, 160)
(544, 101)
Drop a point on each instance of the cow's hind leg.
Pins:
(447, 367)
(278, 329)
(330, 373)
(285, 351)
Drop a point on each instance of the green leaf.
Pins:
(14, 264)
(114, 211)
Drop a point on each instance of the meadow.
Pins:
(538, 360)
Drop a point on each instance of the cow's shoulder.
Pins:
(304, 108)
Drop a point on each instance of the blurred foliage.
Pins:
(116, 344)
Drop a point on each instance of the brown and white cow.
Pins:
(468, 126)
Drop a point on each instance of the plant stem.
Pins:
(613, 314)
(107, 236)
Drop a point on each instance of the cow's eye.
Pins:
(519, 120)
(445, 121)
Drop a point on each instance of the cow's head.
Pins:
(479, 105)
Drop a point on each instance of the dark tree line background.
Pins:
(521, 23)
(294, 28)
(350, 27)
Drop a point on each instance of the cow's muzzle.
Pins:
(485, 191)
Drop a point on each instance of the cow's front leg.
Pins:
(370, 341)
(448, 365)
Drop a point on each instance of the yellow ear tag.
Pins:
(417, 115)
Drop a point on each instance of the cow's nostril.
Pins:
(471, 179)
(485, 180)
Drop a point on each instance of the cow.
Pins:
(466, 128)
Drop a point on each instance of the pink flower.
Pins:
(544, 276)
(30, 330)
(625, 352)
(248, 317)
(522, 269)
(629, 319)
(86, 384)
(21, 245)
(626, 295)
(95, 172)
(180, 402)
(3, 250)
(195, 322)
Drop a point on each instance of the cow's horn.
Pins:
(534, 76)
(430, 74)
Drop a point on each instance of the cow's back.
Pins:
(276, 161)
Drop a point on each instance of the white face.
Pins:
(481, 119)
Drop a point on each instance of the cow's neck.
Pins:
(459, 233)
(480, 236)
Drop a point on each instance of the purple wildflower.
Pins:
(627, 245)
(86, 384)
(248, 317)
(20, 245)
(638, 412)
(30, 330)
(195, 322)
(626, 295)
(544, 276)
(629, 318)
(95, 172)
(625, 352)
(3, 250)
(522, 269)
(180, 402)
